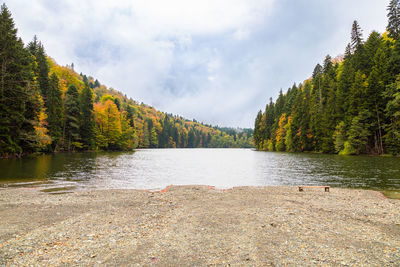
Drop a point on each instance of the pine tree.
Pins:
(392, 112)
(87, 118)
(257, 133)
(394, 19)
(374, 98)
(41, 67)
(317, 70)
(356, 95)
(19, 108)
(129, 116)
(372, 45)
(358, 135)
(344, 84)
(356, 37)
(269, 119)
(328, 66)
(71, 119)
(54, 111)
(191, 139)
(43, 71)
(146, 135)
(339, 136)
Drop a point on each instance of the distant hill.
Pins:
(153, 128)
(45, 107)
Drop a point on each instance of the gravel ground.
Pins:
(198, 226)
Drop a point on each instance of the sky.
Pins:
(216, 61)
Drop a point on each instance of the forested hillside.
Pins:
(350, 105)
(45, 107)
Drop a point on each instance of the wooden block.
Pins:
(301, 187)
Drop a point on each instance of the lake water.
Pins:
(223, 168)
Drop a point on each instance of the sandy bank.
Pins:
(197, 226)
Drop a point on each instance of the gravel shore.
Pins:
(199, 226)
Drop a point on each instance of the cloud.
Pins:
(214, 60)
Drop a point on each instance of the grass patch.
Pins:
(393, 194)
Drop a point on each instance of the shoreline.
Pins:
(196, 225)
(383, 193)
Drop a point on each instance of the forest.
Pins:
(350, 105)
(45, 107)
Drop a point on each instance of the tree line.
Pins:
(350, 104)
(45, 107)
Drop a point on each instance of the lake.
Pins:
(223, 168)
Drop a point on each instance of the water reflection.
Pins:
(219, 167)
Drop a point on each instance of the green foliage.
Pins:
(348, 149)
(19, 99)
(356, 36)
(87, 118)
(394, 19)
(72, 118)
(340, 137)
(107, 97)
(55, 111)
(392, 111)
(359, 132)
(350, 105)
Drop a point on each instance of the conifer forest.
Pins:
(350, 105)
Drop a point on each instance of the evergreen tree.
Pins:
(54, 111)
(19, 106)
(317, 70)
(340, 137)
(374, 98)
(41, 67)
(356, 95)
(356, 36)
(257, 131)
(328, 66)
(71, 119)
(350, 107)
(130, 113)
(87, 118)
(146, 135)
(392, 112)
(191, 139)
(394, 19)
(269, 119)
(43, 71)
(372, 45)
(117, 103)
(358, 134)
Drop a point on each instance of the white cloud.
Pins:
(214, 60)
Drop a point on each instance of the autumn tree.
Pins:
(108, 123)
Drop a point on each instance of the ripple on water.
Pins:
(223, 168)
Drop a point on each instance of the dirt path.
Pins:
(197, 226)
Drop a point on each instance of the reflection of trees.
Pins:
(42, 166)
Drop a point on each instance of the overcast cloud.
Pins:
(218, 61)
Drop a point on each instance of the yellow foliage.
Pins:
(41, 130)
